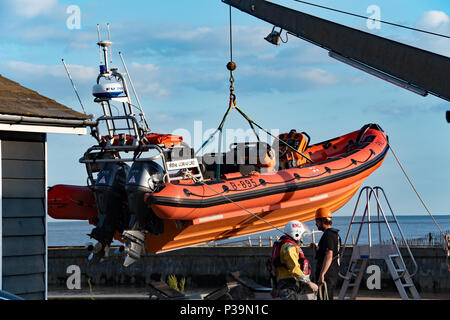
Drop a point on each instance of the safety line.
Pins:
(412, 185)
(256, 216)
(373, 19)
(267, 132)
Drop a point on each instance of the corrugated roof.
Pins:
(18, 100)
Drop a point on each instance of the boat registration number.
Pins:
(243, 184)
(182, 164)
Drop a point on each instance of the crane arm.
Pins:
(412, 68)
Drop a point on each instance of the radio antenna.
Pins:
(99, 48)
(143, 119)
(73, 85)
(109, 39)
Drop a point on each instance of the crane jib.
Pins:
(410, 67)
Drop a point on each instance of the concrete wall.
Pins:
(207, 267)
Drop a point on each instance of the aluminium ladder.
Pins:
(389, 253)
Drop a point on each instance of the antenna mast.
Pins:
(99, 49)
(142, 115)
(109, 39)
(73, 85)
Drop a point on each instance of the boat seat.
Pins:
(259, 154)
(244, 157)
(299, 141)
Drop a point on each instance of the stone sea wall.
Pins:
(209, 267)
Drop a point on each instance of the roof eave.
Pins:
(45, 125)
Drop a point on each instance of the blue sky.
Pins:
(176, 52)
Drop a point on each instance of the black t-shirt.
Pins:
(329, 240)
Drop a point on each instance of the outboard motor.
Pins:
(144, 177)
(110, 196)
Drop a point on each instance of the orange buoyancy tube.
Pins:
(71, 202)
(168, 140)
(290, 187)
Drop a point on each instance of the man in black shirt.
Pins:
(327, 267)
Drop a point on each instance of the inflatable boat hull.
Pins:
(198, 212)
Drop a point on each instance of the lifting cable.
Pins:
(373, 19)
(446, 236)
(231, 66)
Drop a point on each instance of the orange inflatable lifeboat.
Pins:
(239, 196)
(214, 209)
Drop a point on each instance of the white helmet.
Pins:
(295, 229)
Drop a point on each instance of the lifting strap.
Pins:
(231, 66)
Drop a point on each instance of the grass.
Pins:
(173, 283)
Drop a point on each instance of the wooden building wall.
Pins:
(24, 259)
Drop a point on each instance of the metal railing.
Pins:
(435, 240)
(259, 241)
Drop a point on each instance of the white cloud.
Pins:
(434, 20)
(149, 79)
(184, 35)
(40, 33)
(78, 72)
(289, 78)
(145, 67)
(32, 8)
(319, 77)
(154, 89)
(438, 22)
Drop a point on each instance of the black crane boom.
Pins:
(412, 68)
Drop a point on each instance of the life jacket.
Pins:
(338, 255)
(275, 259)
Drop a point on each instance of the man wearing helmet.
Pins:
(292, 271)
(327, 267)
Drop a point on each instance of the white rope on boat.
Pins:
(241, 207)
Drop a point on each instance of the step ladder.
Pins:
(391, 254)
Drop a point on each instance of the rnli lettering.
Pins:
(182, 164)
(243, 184)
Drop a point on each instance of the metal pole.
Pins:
(134, 91)
(108, 124)
(73, 85)
(99, 48)
(109, 38)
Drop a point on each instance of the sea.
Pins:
(419, 228)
